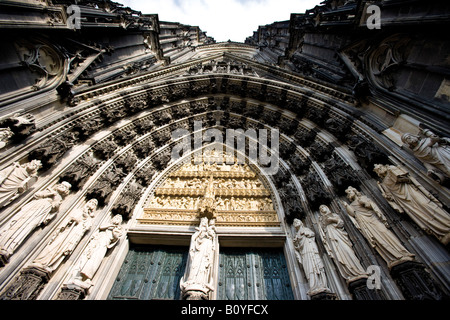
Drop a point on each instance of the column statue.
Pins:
(197, 280)
(433, 151)
(406, 195)
(339, 246)
(308, 256)
(40, 211)
(16, 179)
(105, 238)
(66, 238)
(368, 218)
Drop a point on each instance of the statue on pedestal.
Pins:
(197, 281)
(368, 218)
(66, 238)
(405, 194)
(40, 211)
(339, 246)
(308, 256)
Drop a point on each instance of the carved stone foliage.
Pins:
(315, 191)
(320, 151)
(128, 200)
(124, 136)
(299, 165)
(305, 137)
(339, 127)
(54, 148)
(79, 172)
(291, 203)
(126, 162)
(87, 127)
(105, 149)
(111, 115)
(144, 148)
(144, 176)
(105, 185)
(161, 160)
(367, 153)
(287, 148)
(288, 126)
(340, 174)
(144, 125)
(317, 115)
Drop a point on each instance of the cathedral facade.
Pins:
(140, 159)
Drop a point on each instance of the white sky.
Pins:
(223, 19)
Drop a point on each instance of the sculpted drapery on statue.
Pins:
(308, 256)
(432, 150)
(106, 237)
(37, 212)
(66, 238)
(17, 179)
(339, 246)
(197, 281)
(368, 218)
(405, 194)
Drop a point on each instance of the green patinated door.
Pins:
(253, 274)
(150, 273)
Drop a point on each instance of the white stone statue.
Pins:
(308, 256)
(405, 194)
(198, 274)
(433, 151)
(105, 238)
(368, 218)
(66, 238)
(5, 134)
(339, 246)
(16, 179)
(39, 211)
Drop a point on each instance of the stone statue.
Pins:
(16, 179)
(105, 238)
(66, 238)
(339, 246)
(197, 279)
(405, 194)
(368, 218)
(433, 151)
(5, 134)
(39, 211)
(308, 256)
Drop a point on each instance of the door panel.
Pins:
(150, 273)
(253, 274)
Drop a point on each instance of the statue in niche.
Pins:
(105, 238)
(308, 256)
(407, 195)
(66, 238)
(433, 151)
(16, 179)
(40, 211)
(198, 276)
(339, 246)
(368, 218)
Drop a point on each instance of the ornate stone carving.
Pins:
(366, 152)
(372, 223)
(315, 191)
(406, 195)
(21, 125)
(340, 174)
(79, 172)
(338, 245)
(5, 135)
(308, 257)
(16, 179)
(197, 281)
(105, 185)
(105, 238)
(40, 211)
(433, 151)
(105, 149)
(127, 200)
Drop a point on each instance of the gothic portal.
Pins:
(140, 159)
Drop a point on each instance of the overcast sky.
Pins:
(223, 19)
